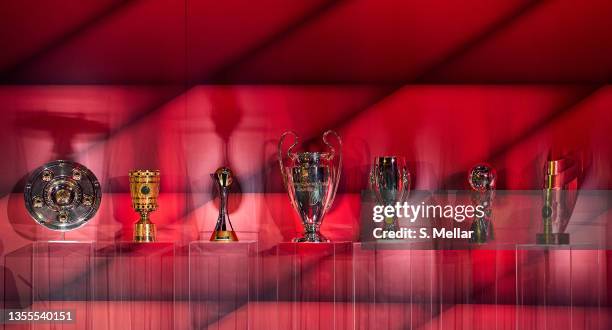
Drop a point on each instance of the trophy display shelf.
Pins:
(383, 279)
(315, 280)
(222, 284)
(136, 275)
(63, 273)
(406, 284)
(552, 281)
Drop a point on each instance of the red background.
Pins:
(189, 86)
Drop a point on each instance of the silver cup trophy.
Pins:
(311, 180)
(482, 179)
(390, 181)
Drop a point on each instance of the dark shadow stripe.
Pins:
(479, 39)
(571, 106)
(13, 71)
(222, 74)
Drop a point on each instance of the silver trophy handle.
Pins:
(406, 180)
(338, 171)
(372, 177)
(296, 140)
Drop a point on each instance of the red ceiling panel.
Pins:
(557, 41)
(29, 27)
(139, 42)
(220, 34)
(160, 41)
(373, 41)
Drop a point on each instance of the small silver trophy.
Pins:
(482, 179)
(390, 181)
(311, 180)
(62, 195)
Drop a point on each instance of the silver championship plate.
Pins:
(62, 195)
(311, 179)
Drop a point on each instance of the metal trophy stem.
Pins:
(390, 181)
(311, 180)
(144, 190)
(482, 179)
(224, 232)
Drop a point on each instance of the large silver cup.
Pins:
(311, 180)
(390, 181)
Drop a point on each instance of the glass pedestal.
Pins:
(383, 285)
(222, 284)
(314, 286)
(560, 287)
(136, 286)
(63, 280)
(411, 285)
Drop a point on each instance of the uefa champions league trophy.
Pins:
(311, 180)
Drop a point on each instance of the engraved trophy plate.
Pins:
(62, 195)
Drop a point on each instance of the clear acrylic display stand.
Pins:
(222, 284)
(314, 286)
(409, 285)
(559, 287)
(137, 287)
(383, 285)
(63, 280)
(491, 286)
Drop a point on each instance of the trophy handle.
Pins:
(338, 171)
(372, 178)
(296, 140)
(406, 180)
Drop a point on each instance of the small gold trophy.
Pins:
(144, 189)
(224, 232)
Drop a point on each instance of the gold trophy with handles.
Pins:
(144, 189)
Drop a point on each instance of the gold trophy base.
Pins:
(144, 232)
(553, 238)
(224, 236)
